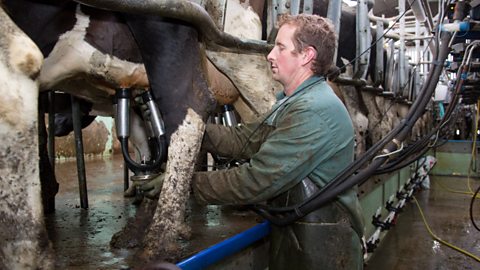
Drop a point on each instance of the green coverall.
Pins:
(307, 136)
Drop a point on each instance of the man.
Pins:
(304, 142)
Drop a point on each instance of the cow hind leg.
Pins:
(170, 215)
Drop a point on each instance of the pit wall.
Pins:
(375, 193)
(454, 157)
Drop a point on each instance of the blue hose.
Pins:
(225, 248)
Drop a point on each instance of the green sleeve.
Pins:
(293, 149)
(236, 142)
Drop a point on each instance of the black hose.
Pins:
(471, 208)
(137, 167)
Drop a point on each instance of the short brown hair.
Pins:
(315, 31)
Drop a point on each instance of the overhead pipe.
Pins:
(189, 12)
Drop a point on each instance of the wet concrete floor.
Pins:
(408, 245)
(81, 237)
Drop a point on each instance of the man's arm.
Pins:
(291, 152)
(236, 142)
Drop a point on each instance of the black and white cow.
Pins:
(90, 52)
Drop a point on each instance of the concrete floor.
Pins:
(408, 245)
(81, 237)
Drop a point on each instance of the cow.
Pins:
(90, 52)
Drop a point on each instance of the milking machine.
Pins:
(228, 118)
(146, 170)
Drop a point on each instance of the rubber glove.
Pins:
(151, 189)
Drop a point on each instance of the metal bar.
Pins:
(308, 6)
(334, 13)
(401, 57)
(418, 50)
(51, 129)
(417, 37)
(225, 248)
(294, 7)
(363, 40)
(77, 129)
(390, 68)
(379, 69)
(272, 21)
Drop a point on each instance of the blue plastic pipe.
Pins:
(225, 248)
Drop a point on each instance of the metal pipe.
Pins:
(294, 7)
(227, 247)
(417, 37)
(401, 53)
(186, 11)
(379, 67)
(385, 21)
(334, 13)
(363, 40)
(308, 6)
(229, 118)
(123, 110)
(77, 130)
(156, 121)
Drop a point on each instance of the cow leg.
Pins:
(169, 219)
(23, 237)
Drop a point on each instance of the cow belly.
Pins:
(74, 59)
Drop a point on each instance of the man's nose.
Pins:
(270, 56)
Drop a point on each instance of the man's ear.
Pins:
(309, 54)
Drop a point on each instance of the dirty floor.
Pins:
(81, 237)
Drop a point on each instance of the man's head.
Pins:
(304, 46)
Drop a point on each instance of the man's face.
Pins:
(283, 58)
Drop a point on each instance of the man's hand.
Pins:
(150, 189)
